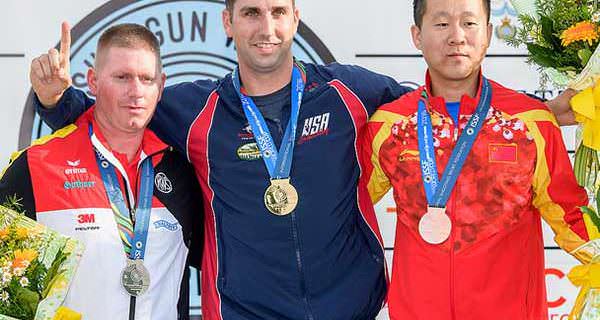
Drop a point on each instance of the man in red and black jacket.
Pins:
(64, 181)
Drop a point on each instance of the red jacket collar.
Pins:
(468, 104)
(151, 144)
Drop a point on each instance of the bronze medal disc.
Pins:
(135, 278)
(435, 226)
(281, 197)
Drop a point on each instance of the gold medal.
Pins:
(281, 197)
(435, 225)
(135, 278)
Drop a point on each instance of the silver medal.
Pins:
(135, 278)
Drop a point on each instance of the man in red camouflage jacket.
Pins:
(483, 256)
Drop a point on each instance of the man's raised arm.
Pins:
(51, 81)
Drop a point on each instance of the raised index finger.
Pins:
(65, 43)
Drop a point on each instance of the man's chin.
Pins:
(137, 125)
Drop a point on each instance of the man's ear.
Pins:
(163, 79)
(226, 20)
(415, 32)
(92, 81)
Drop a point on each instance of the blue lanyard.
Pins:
(144, 203)
(438, 191)
(278, 163)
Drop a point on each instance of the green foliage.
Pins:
(53, 271)
(593, 215)
(542, 36)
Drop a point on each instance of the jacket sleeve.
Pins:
(557, 195)
(374, 177)
(373, 89)
(71, 105)
(15, 182)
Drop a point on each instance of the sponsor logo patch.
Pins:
(86, 222)
(73, 163)
(502, 153)
(73, 168)
(246, 133)
(249, 152)
(314, 127)
(70, 185)
(86, 218)
(162, 183)
(164, 224)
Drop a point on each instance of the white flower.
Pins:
(6, 277)
(4, 296)
(24, 282)
(18, 272)
(596, 17)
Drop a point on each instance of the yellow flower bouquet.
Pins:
(562, 39)
(36, 266)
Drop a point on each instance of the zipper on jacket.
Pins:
(453, 232)
(452, 236)
(303, 291)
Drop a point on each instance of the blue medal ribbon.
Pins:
(278, 163)
(437, 191)
(117, 201)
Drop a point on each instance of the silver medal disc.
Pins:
(435, 226)
(135, 278)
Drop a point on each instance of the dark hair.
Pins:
(419, 7)
(129, 35)
(229, 4)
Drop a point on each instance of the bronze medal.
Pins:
(135, 278)
(281, 197)
(435, 225)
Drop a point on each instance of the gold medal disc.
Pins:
(281, 198)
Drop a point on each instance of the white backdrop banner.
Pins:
(194, 45)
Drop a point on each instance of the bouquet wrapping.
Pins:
(562, 39)
(36, 267)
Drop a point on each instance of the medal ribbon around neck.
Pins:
(437, 191)
(137, 247)
(278, 163)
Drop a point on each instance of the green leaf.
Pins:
(548, 33)
(579, 165)
(598, 203)
(593, 215)
(541, 55)
(28, 300)
(584, 55)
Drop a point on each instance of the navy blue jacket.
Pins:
(323, 261)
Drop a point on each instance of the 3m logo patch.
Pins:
(502, 153)
(86, 222)
(86, 218)
(314, 127)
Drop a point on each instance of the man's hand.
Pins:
(562, 109)
(49, 73)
